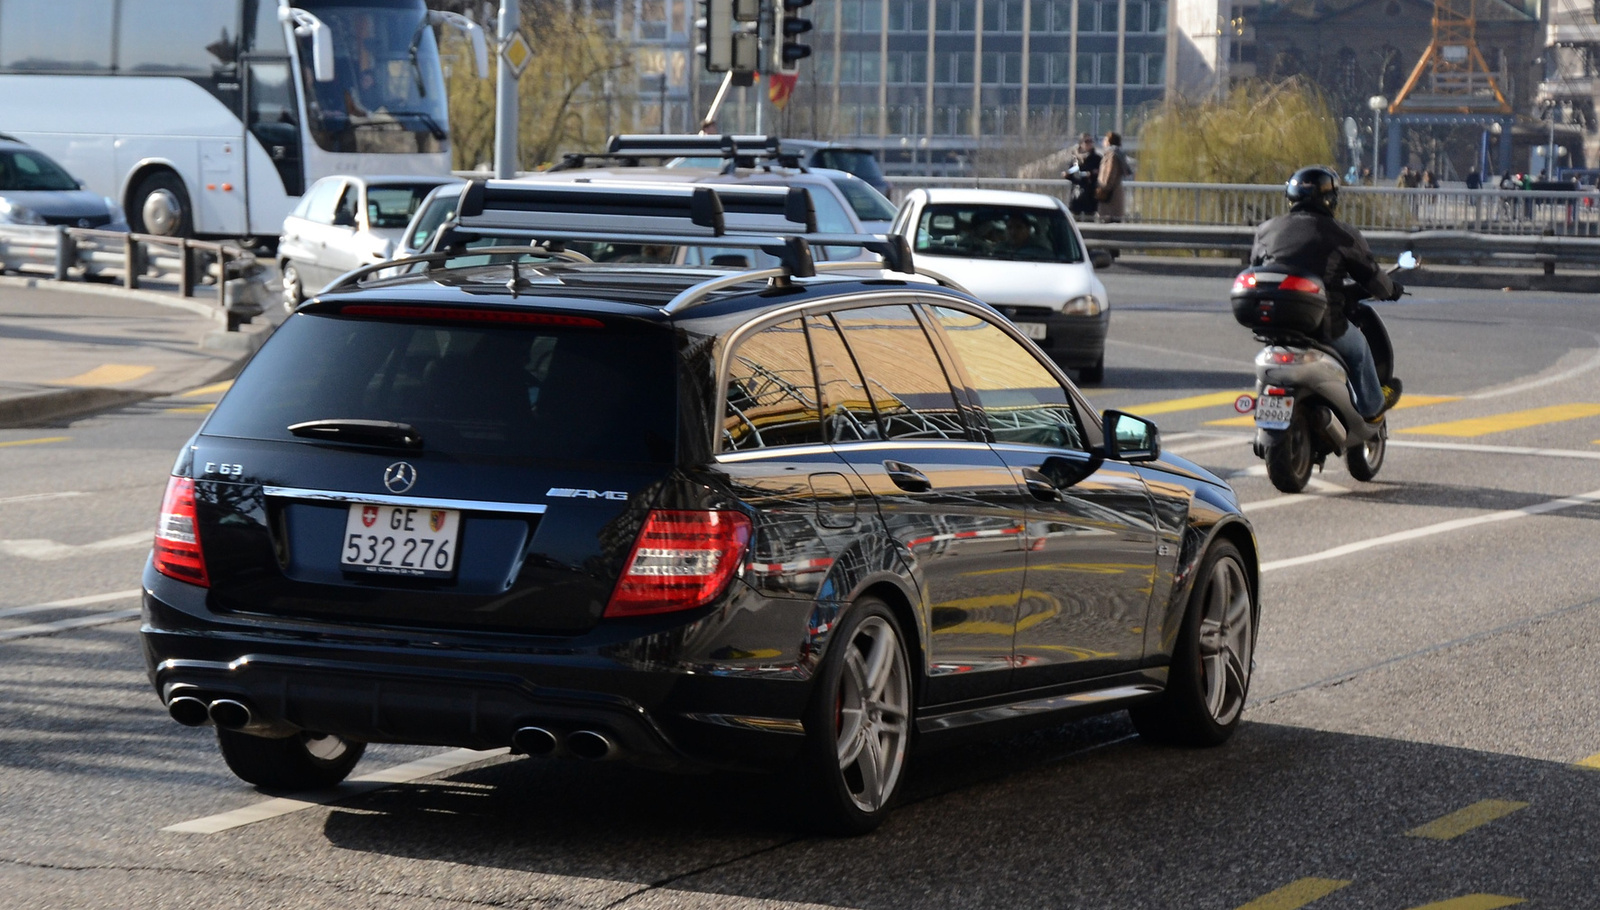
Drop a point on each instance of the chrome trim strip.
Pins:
(379, 499)
(744, 722)
(774, 452)
(1036, 706)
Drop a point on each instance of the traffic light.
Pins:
(728, 37)
(791, 29)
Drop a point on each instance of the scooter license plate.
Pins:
(1273, 411)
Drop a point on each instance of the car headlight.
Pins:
(11, 213)
(118, 216)
(1087, 305)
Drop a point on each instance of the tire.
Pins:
(858, 725)
(304, 761)
(1209, 678)
(1289, 455)
(294, 292)
(1094, 375)
(160, 205)
(1365, 460)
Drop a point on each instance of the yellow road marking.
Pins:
(1461, 821)
(196, 409)
(108, 374)
(1592, 763)
(34, 442)
(1514, 420)
(1409, 401)
(1473, 902)
(1296, 894)
(212, 389)
(1192, 403)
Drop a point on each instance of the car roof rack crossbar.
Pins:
(699, 293)
(490, 207)
(354, 276)
(737, 150)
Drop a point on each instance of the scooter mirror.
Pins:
(1409, 261)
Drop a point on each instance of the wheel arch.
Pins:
(1198, 539)
(145, 168)
(893, 591)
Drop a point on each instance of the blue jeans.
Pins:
(1352, 347)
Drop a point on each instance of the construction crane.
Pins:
(1459, 79)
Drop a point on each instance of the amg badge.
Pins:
(570, 493)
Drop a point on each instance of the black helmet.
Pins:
(1316, 185)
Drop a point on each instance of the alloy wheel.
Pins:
(1225, 641)
(873, 714)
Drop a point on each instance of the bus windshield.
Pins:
(387, 94)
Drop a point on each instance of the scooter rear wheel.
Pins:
(1289, 456)
(1364, 460)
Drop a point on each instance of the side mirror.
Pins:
(1101, 259)
(1409, 261)
(1130, 438)
(307, 25)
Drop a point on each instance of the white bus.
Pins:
(210, 117)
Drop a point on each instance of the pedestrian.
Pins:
(1429, 180)
(1084, 172)
(1506, 181)
(1366, 177)
(1474, 180)
(1114, 169)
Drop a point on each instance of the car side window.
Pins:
(847, 414)
(905, 382)
(319, 202)
(344, 213)
(771, 397)
(1021, 400)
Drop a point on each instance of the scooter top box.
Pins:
(1270, 300)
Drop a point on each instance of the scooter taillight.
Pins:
(1275, 391)
(1245, 282)
(1283, 357)
(1296, 283)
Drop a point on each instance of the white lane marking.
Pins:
(1588, 365)
(50, 550)
(90, 600)
(1215, 443)
(399, 774)
(1443, 527)
(1495, 450)
(82, 622)
(39, 497)
(1243, 366)
(1324, 490)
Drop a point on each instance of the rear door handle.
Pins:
(907, 478)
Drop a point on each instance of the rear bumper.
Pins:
(407, 687)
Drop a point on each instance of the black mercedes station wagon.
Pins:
(682, 517)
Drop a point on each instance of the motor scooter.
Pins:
(1304, 404)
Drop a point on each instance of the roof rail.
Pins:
(354, 276)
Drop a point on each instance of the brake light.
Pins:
(177, 547)
(1274, 391)
(681, 560)
(1283, 357)
(458, 314)
(1245, 282)
(1296, 283)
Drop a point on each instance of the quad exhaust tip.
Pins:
(591, 745)
(229, 714)
(189, 711)
(533, 741)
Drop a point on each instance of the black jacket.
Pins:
(1308, 239)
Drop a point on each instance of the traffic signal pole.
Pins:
(505, 96)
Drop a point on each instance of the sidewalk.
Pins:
(65, 351)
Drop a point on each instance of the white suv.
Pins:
(1022, 254)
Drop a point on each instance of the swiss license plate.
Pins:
(1273, 411)
(400, 540)
(1035, 330)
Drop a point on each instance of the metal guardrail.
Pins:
(1370, 208)
(68, 252)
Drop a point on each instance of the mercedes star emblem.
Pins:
(399, 477)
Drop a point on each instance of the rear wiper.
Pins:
(361, 432)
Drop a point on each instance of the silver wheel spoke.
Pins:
(850, 749)
(871, 766)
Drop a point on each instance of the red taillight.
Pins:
(1296, 283)
(177, 550)
(681, 560)
(1245, 282)
(1274, 391)
(461, 314)
(1283, 357)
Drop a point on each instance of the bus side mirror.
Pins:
(480, 49)
(308, 25)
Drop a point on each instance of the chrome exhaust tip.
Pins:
(533, 741)
(189, 711)
(591, 746)
(229, 714)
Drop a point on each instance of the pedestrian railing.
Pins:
(69, 253)
(1493, 211)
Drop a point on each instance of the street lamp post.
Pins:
(1495, 129)
(1377, 103)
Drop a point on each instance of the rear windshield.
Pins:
(860, 162)
(869, 204)
(603, 395)
(393, 206)
(974, 231)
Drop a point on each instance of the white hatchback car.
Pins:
(1022, 254)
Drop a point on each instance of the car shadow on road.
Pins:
(1459, 496)
(1084, 815)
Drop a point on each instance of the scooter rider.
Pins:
(1309, 238)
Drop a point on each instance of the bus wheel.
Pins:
(161, 207)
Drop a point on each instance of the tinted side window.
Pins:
(177, 36)
(905, 381)
(846, 410)
(51, 36)
(772, 394)
(1020, 399)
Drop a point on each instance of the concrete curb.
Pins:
(209, 310)
(55, 404)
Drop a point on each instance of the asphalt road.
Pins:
(1425, 695)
